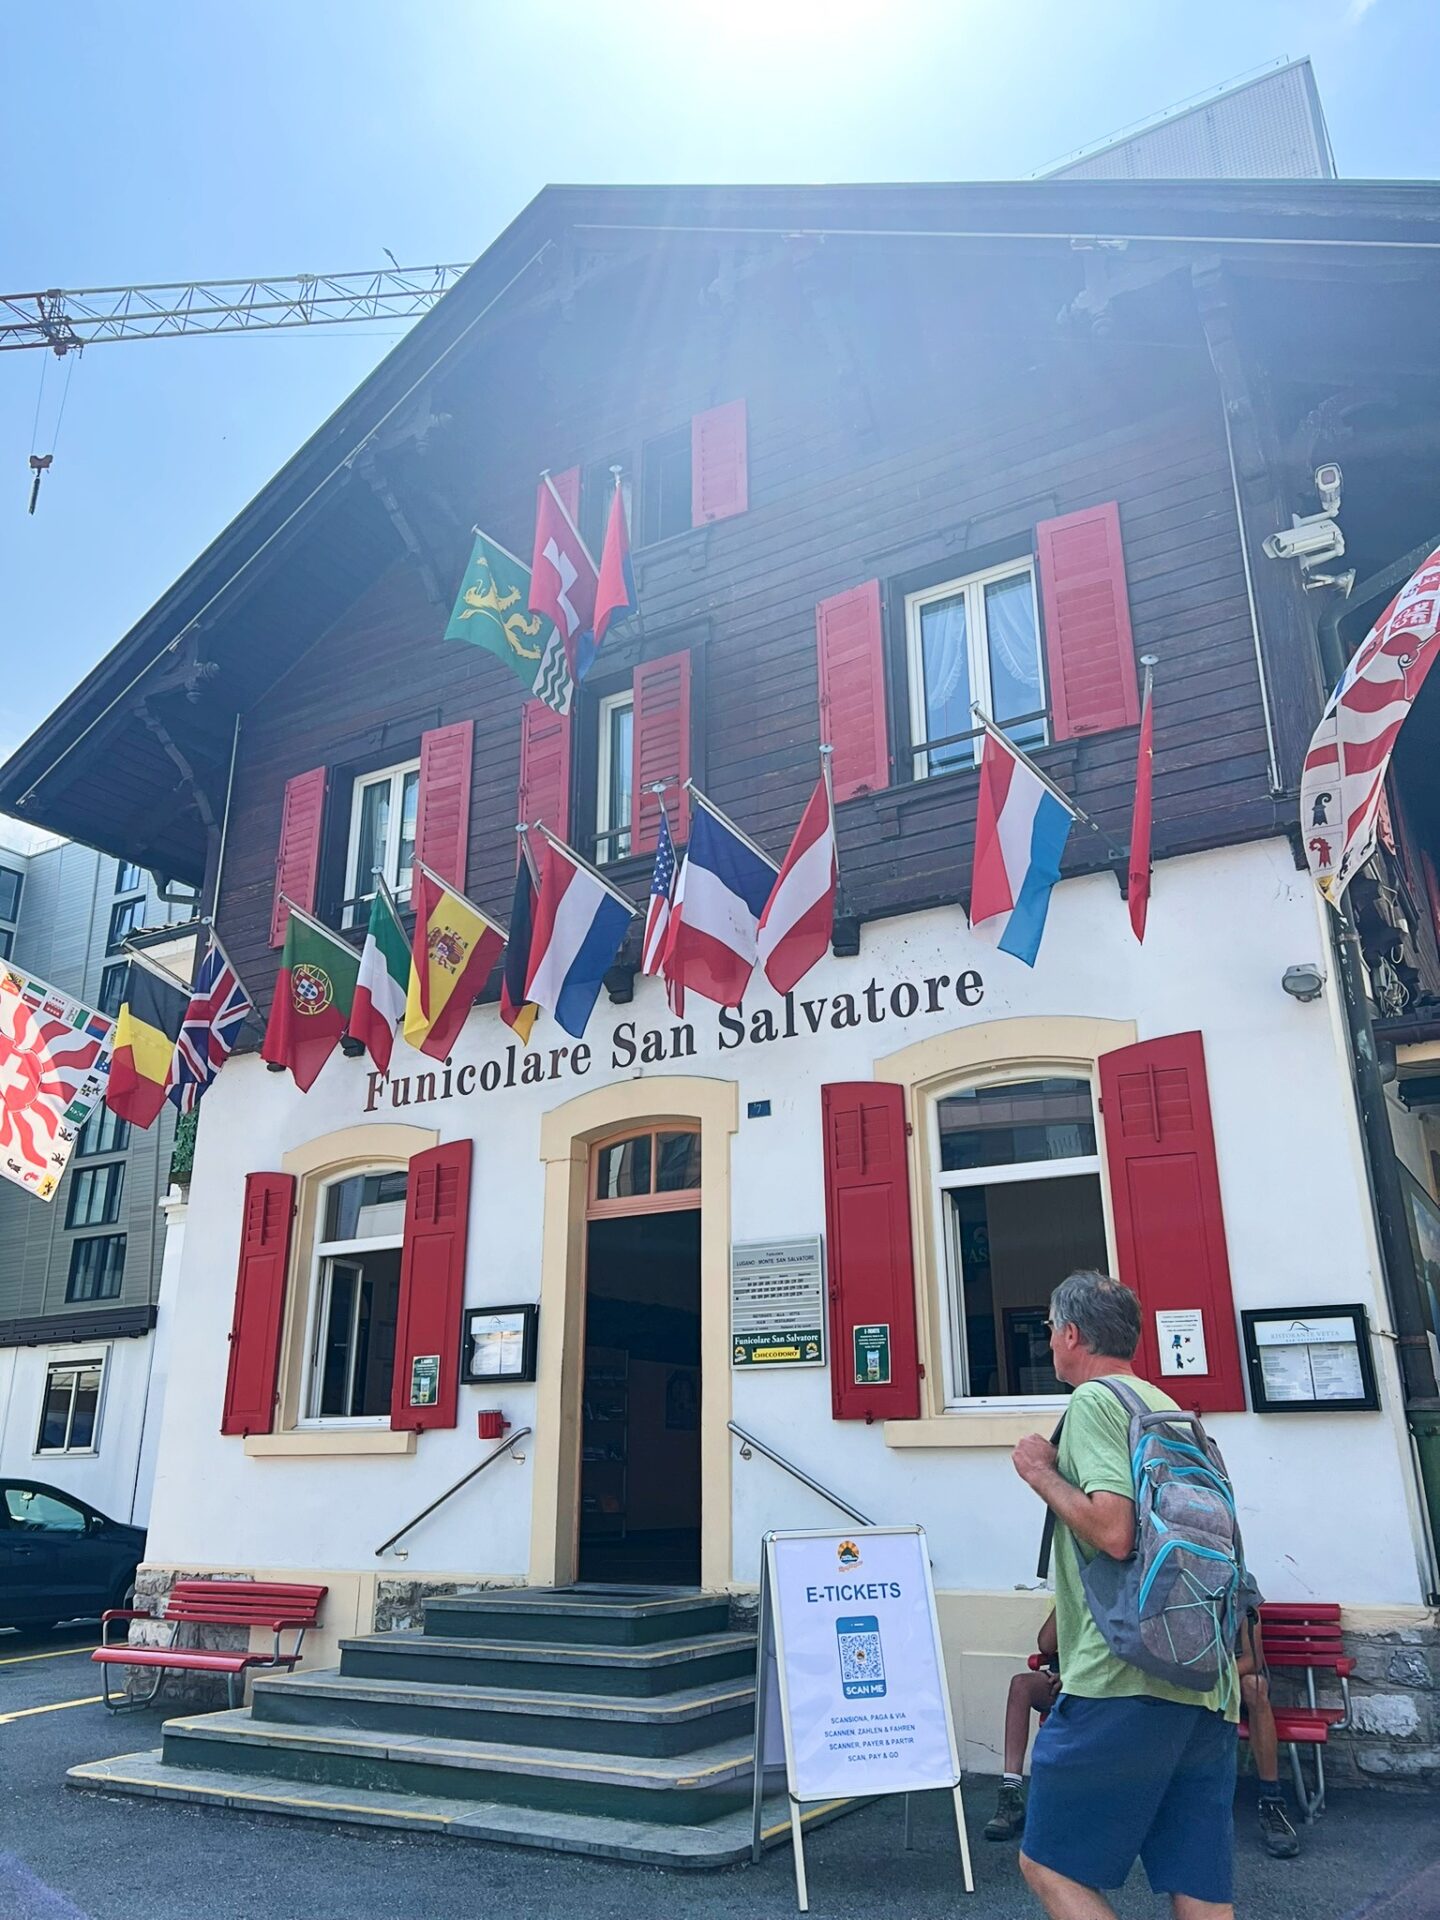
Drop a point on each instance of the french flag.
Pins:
(579, 924)
(1021, 827)
(715, 921)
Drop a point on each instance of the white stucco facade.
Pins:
(1223, 927)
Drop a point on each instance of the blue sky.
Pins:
(155, 142)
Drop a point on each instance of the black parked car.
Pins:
(60, 1558)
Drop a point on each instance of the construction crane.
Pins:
(68, 322)
(65, 321)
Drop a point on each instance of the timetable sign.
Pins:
(777, 1303)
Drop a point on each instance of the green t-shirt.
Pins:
(1095, 1456)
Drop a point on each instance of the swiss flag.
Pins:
(563, 579)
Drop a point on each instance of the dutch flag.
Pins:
(1021, 826)
(579, 925)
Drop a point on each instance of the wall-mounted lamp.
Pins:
(1304, 982)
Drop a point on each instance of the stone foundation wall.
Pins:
(398, 1603)
(1394, 1736)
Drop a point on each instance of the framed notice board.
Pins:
(1310, 1360)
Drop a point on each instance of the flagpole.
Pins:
(481, 534)
(554, 495)
(1072, 807)
(594, 872)
(488, 918)
(154, 966)
(524, 833)
(725, 821)
(225, 825)
(827, 755)
(317, 926)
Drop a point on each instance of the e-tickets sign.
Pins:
(863, 1697)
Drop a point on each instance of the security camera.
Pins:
(1327, 485)
(1311, 540)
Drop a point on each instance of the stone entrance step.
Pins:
(723, 1842)
(669, 1789)
(646, 1668)
(576, 1616)
(609, 1721)
(660, 1724)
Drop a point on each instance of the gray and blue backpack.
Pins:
(1174, 1608)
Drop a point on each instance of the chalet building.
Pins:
(886, 451)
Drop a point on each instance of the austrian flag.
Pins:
(799, 916)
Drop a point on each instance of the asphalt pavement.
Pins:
(68, 1855)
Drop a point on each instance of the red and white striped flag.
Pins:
(1343, 782)
(799, 916)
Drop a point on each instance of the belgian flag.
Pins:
(146, 1030)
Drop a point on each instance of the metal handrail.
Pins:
(504, 1447)
(748, 1441)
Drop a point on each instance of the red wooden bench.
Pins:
(1306, 1638)
(274, 1605)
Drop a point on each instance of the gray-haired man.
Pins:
(1126, 1766)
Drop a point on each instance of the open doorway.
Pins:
(639, 1522)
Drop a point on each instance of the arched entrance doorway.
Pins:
(639, 1521)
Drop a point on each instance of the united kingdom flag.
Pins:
(219, 1007)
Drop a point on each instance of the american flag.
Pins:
(662, 895)
(218, 1009)
(1342, 787)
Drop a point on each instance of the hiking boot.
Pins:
(1277, 1836)
(1008, 1822)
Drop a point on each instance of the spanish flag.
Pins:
(146, 1030)
(451, 957)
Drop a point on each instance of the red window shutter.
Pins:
(1089, 652)
(852, 690)
(661, 747)
(442, 819)
(567, 485)
(1165, 1198)
(867, 1223)
(297, 860)
(432, 1281)
(544, 767)
(719, 464)
(254, 1367)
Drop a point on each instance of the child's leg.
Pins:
(1029, 1693)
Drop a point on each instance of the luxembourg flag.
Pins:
(1021, 827)
(579, 924)
(715, 921)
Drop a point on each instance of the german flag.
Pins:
(146, 1030)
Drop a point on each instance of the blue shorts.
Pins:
(1113, 1781)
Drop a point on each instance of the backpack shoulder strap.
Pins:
(1047, 1532)
(1126, 1395)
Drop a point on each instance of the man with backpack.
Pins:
(1137, 1757)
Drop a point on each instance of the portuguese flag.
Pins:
(313, 998)
(146, 1029)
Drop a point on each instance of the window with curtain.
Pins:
(973, 641)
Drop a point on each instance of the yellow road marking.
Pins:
(55, 1706)
(60, 1653)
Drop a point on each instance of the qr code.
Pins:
(860, 1657)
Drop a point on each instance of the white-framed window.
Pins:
(383, 810)
(973, 641)
(614, 801)
(1018, 1206)
(70, 1411)
(354, 1299)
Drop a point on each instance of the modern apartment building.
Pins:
(80, 1275)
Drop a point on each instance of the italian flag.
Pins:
(383, 978)
(313, 998)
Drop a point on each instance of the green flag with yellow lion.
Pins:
(493, 611)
